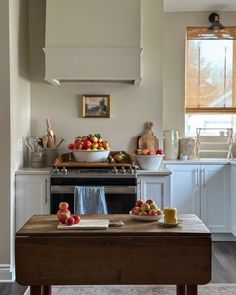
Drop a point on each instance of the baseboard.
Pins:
(6, 273)
(234, 231)
(223, 237)
(27, 291)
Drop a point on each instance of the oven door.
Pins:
(120, 199)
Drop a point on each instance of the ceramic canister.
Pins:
(37, 159)
(171, 144)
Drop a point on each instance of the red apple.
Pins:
(63, 205)
(139, 203)
(78, 144)
(64, 216)
(87, 144)
(71, 146)
(160, 152)
(153, 212)
(151, 153)
(145, 151)
(76, 218)
(149, 201)
(62, 211)
(70, 221)
(136, 210)
(83, 138)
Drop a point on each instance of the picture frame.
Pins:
(96, 106)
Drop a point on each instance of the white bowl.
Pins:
(91, 156)
(146, 218)
(149, 162)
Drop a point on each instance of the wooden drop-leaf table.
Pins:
(139, 253)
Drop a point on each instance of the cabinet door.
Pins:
(156, 188)
(185, 188)
(32, 197)
(233, 198)
(215, 197)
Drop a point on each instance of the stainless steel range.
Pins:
(120, 185)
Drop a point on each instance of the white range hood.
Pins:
(90, 40)
(93, 65)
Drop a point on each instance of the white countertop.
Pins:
(30, 170)
(163, 171)
(211, 161)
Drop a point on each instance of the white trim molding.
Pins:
(199, 5)
(6, 273)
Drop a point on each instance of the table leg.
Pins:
(191, 290)
(180, 289)
(46, 290)
(35, 290)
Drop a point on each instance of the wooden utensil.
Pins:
(51, 136)
(51, 142)
(45, 141)
(49, 128)
(148, 140)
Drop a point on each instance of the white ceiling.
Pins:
(199, 5)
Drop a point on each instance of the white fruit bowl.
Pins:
(149, 162)
(146, 218)
(91, 156)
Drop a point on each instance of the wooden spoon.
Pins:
(49, 128)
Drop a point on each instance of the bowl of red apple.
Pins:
(149, 159)
(146, 211)
(90, 148)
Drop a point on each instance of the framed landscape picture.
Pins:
(96, 106)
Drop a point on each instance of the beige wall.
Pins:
(173, 74)
(131, 106)
(5, 136)
(92, 23)
(20, 93)
(14, 117)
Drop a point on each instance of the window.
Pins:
(210, 79)
(194, 121)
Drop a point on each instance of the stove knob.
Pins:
(131, 170)
(123, 171)
(64, 170)
(55, 170)
(115, 170)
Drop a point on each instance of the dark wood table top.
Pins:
(46, 225)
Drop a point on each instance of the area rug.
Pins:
(210, 289)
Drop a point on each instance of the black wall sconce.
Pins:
(214, 19)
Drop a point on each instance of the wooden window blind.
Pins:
(210, 71)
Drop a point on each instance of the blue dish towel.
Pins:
(90, 200)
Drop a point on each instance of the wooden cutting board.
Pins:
(148, 140)
(86, 224)
(68, 160)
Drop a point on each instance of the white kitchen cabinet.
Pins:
(156, 188)
(233, 198)
(32, 196)
(203, 190)
(185, 189)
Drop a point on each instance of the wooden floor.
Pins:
(223, 266)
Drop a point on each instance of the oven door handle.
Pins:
(111, 190)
